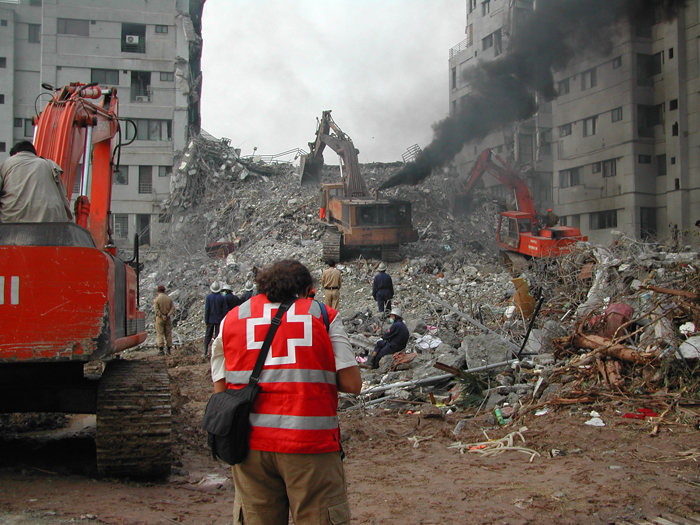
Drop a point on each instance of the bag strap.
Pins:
(324, 312)
(276, 321)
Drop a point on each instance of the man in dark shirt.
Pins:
(383, 289)
(232, 299)
(215, 310)
(248, 291)
(394, 340)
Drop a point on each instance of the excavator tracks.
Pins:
(134, 423)
(331, 245)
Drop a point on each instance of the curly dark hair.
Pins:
(284, 280)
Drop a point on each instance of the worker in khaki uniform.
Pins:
(331, 280)
(31, 188)
(164, 308)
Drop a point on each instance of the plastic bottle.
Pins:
(499, 416)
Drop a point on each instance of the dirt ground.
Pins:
(612, 474)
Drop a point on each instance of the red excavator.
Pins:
(356, 220)
(520, 234)
(67, 300)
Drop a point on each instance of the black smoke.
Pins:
(502, 90)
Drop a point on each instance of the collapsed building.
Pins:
(616, 318)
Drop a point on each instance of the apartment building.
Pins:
(618, 148)
(148, 49)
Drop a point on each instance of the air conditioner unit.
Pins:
(142, 98)
(132, 39)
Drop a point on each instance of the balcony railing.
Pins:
(140, 95)
(462, 46)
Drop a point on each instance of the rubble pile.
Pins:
(599, 323)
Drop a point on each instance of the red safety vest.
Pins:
(296, 410)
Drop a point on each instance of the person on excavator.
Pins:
(551, 219)
(394, 339)
(31, 189)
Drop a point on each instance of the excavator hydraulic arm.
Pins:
(329, 134)
(66, 130)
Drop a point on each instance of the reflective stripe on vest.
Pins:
(294, 422)
(283, 375)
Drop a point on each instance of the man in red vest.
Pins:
(294, 464)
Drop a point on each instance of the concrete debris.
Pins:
(454, 293)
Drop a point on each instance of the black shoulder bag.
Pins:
(227, 416)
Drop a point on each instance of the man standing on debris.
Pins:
(232, 299)
(394, 340)
(294, 463)
(330, 280)
(214, 311)
(164, 308)
(31, 189)
(248, 291)
(383, 288)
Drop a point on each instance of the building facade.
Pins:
(619, 147)
(149, 50)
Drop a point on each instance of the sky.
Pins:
(270, 67)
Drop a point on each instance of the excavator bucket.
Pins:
(310, 172)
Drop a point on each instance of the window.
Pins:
(670, 53)
(3, 62)
(609, 168)
(565, 130)
(569, 178)
(486, 7)
(3, 23)
(673, 104)
(493, 40)
(596, 167)
(656, 60)
(34, 33)
(563, 87)
(161, 29)
(589, 126)
(648, 117)
(617, 62)
(71, 26)
(120, 177)
(674, 129)
(453, 107)
(2, 98)
(526, 147)
(164, 171)
(588, 79)
(616, 114)
(645, 70)
(661, 165)
(35, 3)
(140, 86)
(145, 179)
(28, 127)
(3, 147)
(166, 76)
(106, 77)
(133, 38)
(150, 129)
(472, 5)
(454, 78)
(120, 225)
(603, 219)
(644, 159)
(546, 142)
(647, 222)
(18, 122)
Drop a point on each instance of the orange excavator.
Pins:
(67, 300)
(520, 234)
(355, 218)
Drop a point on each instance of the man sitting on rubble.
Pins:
(31, 189)
(394, 340)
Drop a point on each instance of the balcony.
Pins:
(462, 46)
(141, 95)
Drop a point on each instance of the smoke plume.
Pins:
(502, 90)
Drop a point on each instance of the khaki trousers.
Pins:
(164, 331)
(271, 484)
(331, 298)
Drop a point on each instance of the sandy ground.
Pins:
(609, 474)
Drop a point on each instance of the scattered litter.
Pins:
(498, 446)
(542, 412)
(417, 439)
